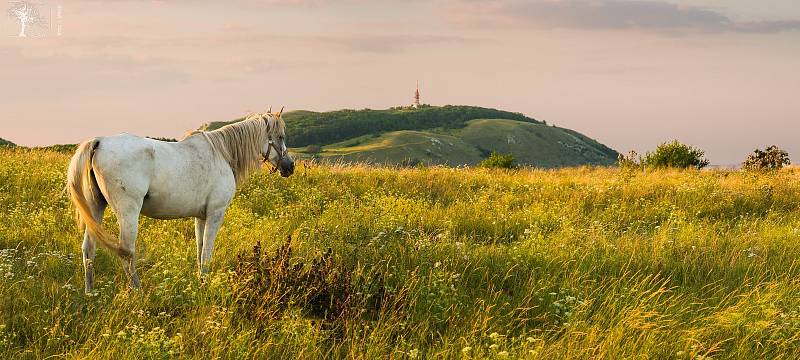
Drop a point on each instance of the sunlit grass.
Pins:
(575, 263)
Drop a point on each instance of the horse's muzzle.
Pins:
(286, 167)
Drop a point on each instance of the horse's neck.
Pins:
(201, 148)
(216, 153)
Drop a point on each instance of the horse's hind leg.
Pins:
(89, 246)
(213, 222)
(128, 231)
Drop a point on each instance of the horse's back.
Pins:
(171, 180)
(142, 153)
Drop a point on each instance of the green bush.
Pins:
(676, 155)
(499, 161)
(313, 149)
(771, 158)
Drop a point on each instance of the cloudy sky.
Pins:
(723, 75)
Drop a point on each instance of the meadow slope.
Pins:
(563, 264)
(531, 144)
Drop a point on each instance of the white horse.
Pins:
(196, 177)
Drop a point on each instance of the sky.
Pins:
(722, 75)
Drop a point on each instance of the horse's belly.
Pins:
(163, 208)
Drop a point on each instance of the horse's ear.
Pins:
(269, 111)
(280, 112)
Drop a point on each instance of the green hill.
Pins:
(4, 142)
(531, 144)
(447, 135)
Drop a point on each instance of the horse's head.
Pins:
(274, 149)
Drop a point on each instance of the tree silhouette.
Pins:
(771, 158)
(27, 14)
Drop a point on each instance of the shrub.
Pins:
(313, 149)
(676, 155)
(411, 162)
(771, 158)
(499, 161)
(630, 161)
(266, 285)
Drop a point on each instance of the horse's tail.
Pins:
(81, 182)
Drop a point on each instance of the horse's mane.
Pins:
(240, 143)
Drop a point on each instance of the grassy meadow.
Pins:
(539, 264)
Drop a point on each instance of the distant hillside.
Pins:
(448, 135)
(4, 142)
(531, 144)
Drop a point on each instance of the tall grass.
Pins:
(574, 263)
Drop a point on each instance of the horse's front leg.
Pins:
(199, 230)
(213, 223)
